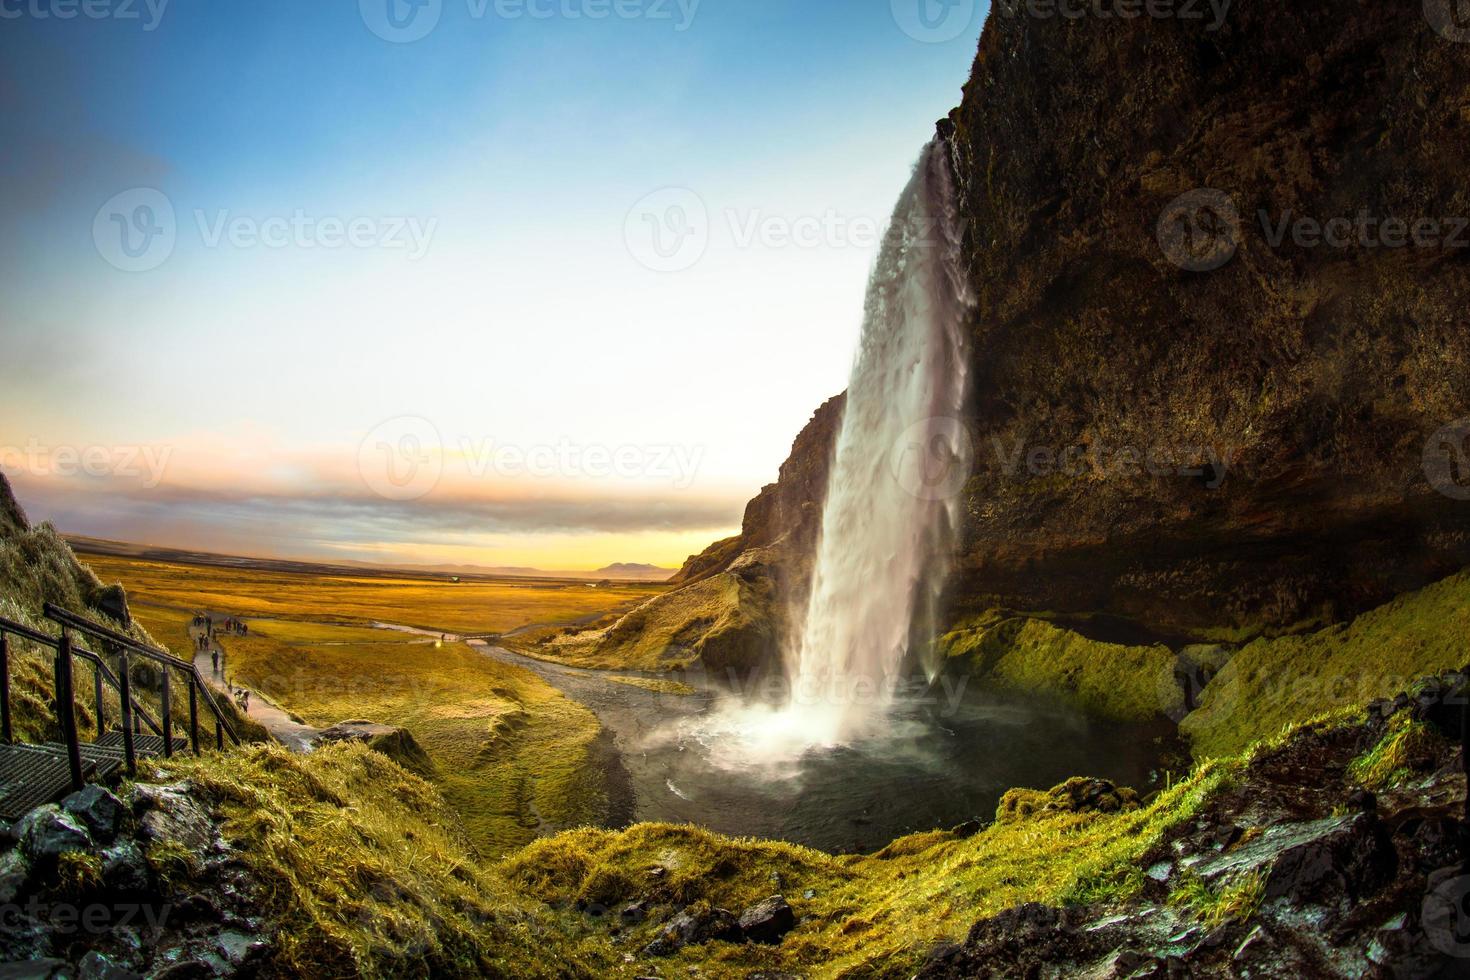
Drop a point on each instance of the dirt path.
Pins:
(213, 665)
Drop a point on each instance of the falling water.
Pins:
(901, 459)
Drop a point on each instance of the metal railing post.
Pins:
(168, 721)
(66, 709)
(101, 711)
(5, 731)
(125, 692)
(194, 713)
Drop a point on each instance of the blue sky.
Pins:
(494, 178)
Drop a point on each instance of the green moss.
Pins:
(1106, 680)
(1237, 900)
(1273, 683)
(1407, 750)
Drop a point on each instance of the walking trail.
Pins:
(289, 732)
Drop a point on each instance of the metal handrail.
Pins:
(66, 618)
(134, 714)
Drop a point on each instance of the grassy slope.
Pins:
(668, 632)
(1273, 683)
(1268, 685)
(1107, 680)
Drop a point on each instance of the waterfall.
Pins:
(901, 458)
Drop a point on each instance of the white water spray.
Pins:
(902, 456)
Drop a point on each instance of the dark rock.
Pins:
(1354, 861)
(968, 829)
(95, 966)
(14, 871)
(47, 832)
(695, 926)
(98, 809)
(123, 867)
(397, 744)
(634, 912)
(170, 815)
(112, 602)
(768, 921)
(1363, 801)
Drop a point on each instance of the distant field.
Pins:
(512, 755)
(476, 606)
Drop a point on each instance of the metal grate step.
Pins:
(144, 745)
(33, 775)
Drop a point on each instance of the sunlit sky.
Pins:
(401, 300)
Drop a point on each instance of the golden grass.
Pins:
(511, 754)
(478, 606)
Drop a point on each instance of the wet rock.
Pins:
(1074, 796)
(1355, 860)
(769, 921)
(98, 809)
(123, 867)
(48, 832)
(96, 966)
(238, 948)
(1161, 872)
(14, 870)
(170, 815)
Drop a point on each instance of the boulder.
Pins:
(170, 815)
(95, 966)
(112, 602)
(397, 744)
(98, 809)
(48, 832)
(768, 921)
(123, 867)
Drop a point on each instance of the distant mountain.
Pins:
(636, 571)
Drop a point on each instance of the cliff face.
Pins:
(1193, 416)
(1203, 449)
(787, 513)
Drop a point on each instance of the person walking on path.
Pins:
(215, 658)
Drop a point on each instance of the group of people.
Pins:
(205, 640)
